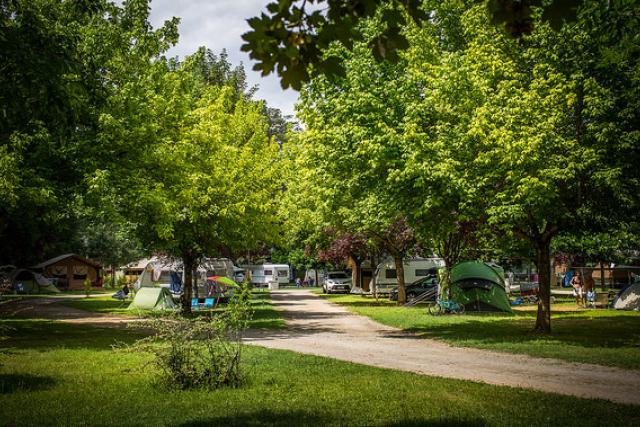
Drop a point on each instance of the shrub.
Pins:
(120, 281)
(87, 287)
(200, 353)
(108, 282)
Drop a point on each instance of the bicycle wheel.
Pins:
(460, 308)
(435, 309)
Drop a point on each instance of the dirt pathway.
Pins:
(325, 329)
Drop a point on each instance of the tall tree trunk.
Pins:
(402, 295)
(188, 263)
(543, 319)
(444, 280)
(355, 271)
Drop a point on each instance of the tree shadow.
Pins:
(264, 417)
(47, 335)
(299, 417)
(602, 331)
(12, 383)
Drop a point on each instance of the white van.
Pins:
(385, 277)
(263, 275)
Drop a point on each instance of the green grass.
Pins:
(104, 305)
(63, 374)
(264, 316)
(603, 337)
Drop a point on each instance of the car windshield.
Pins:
(338, 276)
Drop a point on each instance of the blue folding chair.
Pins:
(209, 302)
(194, 303)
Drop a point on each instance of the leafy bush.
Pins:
(201, 353)
(108, 282)
(87, 287)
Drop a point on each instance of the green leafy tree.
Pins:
(209, 179)
(60, 66)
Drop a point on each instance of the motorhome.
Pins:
(385, 276)
(265, 274)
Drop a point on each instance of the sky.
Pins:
(219, 24)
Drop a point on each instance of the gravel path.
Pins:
(318, 327)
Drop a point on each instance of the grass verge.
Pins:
(264, 316)
(62, 374)
(603, 337)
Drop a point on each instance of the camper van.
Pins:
(385, 277)
(263, 275)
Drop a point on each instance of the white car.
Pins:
(336, 282)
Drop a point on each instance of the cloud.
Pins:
(219, 24)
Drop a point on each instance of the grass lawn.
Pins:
(264, 316)
(604, 337)
(62, 374)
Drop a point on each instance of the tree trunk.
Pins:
(188, 264)
(355, 272)
(402, 295)
(444, 280)
(543, 320)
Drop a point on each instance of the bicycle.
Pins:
(445, 306)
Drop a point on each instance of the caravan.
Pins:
(268, 274)
(385, 277)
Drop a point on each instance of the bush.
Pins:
(108, 282)
(87, 287)
(202, 353)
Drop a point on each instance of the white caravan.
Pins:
(385, 277)
(266, 274)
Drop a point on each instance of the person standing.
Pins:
(578, 289)
(298, 282)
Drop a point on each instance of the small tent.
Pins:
(479, 286)
(153, 299)
(25, 281)
(628, 298)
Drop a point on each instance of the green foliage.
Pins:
(62, 62)
(86, 284)
(295, 37)
(201, 353)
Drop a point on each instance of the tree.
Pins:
(59, 61)
(293, 36)
(210, 177)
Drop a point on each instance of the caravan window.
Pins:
(268, 272)
(390, 273)
(422, 272)
(283, 273)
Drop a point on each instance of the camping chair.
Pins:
(209, 302)
(194, 304)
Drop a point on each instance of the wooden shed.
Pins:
(71, 270)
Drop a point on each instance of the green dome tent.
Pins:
(479, 286)
(153, 299)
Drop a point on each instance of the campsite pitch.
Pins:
(55, 373)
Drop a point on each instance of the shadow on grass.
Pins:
(12, 383)
(602, 331)
(298, 417)
(46, 335)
